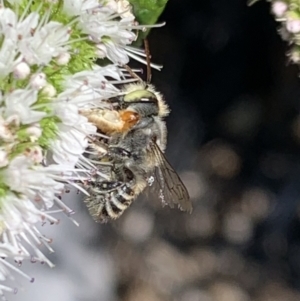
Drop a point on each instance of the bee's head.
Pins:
(143, 98)
(143, 102)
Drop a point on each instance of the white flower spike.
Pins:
(286, 12)
(48, 75)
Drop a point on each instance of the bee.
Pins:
(135, 153)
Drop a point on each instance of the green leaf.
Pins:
(147, 12)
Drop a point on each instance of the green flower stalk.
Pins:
(48, 73)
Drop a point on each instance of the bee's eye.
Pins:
(140, 96)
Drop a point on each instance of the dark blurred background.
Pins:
(234, 135)
(234, 138)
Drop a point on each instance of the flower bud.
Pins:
(63, 58)
(21, 70)
(38, 81)
(279, 8)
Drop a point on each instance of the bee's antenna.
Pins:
(148, 57)
(133, 74)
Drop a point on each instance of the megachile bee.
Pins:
(134, 152)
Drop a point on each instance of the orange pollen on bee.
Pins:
(130, 118)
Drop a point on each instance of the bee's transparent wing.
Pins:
(167, 183)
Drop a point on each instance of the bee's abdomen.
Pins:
(104, 206)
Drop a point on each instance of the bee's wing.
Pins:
(168, 184)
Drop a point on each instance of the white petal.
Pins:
(18, 103)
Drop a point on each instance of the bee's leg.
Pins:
(124, 194)
(122, 176)
(108, 186)
(118, 152)
(145, 122)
